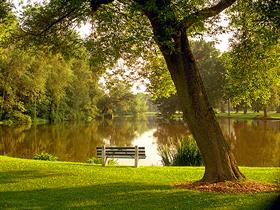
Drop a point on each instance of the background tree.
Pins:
(83, 92)
(254, 74)
(118, 99)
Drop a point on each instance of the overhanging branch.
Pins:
(206, 13)
(57, 21)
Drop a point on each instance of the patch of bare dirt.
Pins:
(230, 187)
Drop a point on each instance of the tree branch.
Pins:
(206, 13)
(57, 21)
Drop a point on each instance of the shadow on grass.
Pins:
(129, 196)
(19, 175)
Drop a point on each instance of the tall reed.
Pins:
(183, 153)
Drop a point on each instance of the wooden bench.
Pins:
(121, 152)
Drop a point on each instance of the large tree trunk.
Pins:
(220, 164)
(171, 37)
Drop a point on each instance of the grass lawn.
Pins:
(250, 115)
(33, 184)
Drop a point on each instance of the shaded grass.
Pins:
(30, 184)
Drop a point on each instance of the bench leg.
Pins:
(104, 156)
(136, 156)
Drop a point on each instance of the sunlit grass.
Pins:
(32, 184)
(250, 115)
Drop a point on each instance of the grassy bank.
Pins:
(31, 184)
(240, 115)
(253, 115)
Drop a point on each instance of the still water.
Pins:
(255, 142)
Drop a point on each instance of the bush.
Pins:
(98, 161)
(17, 117)
(45, 156)
(184, 153)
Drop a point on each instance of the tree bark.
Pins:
(245, 109)
(278, 109)
(220, 164)
(265, 112)
(223, 110)
(228, 104)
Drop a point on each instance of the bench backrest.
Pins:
(121, 152)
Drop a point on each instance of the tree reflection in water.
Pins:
(255, 143)
(69, 141)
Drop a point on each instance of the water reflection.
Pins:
(255, 143)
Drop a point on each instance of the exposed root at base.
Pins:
(229, 187)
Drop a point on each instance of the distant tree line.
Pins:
(56, 84)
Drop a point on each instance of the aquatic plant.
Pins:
(183, 153)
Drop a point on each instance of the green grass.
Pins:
(34, 184)
(250, 115)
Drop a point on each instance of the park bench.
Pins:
(135, 153)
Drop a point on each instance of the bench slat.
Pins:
(100, 148)
(114, 155)
(121, 152)
(126, 157)
(110, 151)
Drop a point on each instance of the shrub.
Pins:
(95, 161)
(45, 156)
(184, 153)
(98, 161)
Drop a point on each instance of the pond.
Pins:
(255, 142)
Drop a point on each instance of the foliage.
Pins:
(184, 153)
(5, 9)
(45, 156)
(58, 185)
(160, 81)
